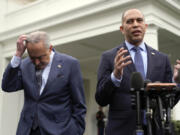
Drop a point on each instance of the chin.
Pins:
(137, 40)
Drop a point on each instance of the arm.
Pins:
(12, 78)
(176, 75)
(78, 98)
(105, 85)
(176, 78)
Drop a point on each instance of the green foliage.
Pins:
(177, 127)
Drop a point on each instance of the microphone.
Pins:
(137, 84)
(137, 81)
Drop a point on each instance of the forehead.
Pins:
(132, 14)
(38, 45)
(36, 48)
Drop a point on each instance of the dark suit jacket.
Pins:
(61, 106)
(122, 119)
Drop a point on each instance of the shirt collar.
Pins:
(51, 58)
(130, 46)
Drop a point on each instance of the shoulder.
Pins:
(66, 57)
(156, 52)
(112, 51)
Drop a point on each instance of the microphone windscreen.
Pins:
(137, 81)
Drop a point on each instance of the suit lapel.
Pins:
(32, 78)
(55, 71)
(130, 67)
(151, 58)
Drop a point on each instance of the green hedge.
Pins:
(177, 127)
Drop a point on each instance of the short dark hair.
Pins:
(123, 14)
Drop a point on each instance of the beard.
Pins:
(136, 40)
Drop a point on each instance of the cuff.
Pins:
(115, 80)
(15, 61)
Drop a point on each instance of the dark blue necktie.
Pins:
(138, 61)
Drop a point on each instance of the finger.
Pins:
(177, 67)
(178, 61)
(122, 60)
(22, 38)
(124, 64)
(120, 54)
(120, 67)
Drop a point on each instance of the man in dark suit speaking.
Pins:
(116, 67)
(54, 101)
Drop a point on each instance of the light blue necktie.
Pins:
(138, 61)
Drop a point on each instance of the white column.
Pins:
(3, 9)
(10, 103)
(92, 107)
(1, 93)
(176, 112)
(151, 36)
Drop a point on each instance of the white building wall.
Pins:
(151, 36)
(1, 93)
(67, 21)
(91, 128)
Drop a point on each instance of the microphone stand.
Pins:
(160, 106)
(139, 130)
(148, 115)
(169, 98)
(164, 97)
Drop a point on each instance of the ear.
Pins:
(50, 48)
(122, 29)
(146, 25)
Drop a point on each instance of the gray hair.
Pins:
(38, 36)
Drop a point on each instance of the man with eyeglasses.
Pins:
(54, 102)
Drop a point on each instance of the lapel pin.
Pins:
(59, 66)
(152, 53)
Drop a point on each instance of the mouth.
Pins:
(136, 32)
(38, 66)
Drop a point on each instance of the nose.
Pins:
(135, 23)
(36, 61)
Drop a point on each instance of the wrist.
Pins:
(18, 54)
(117, 74)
